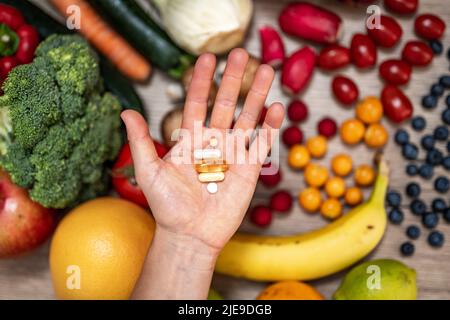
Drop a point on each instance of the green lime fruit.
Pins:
(214, 295)
(383, 279)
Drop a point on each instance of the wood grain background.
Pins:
(28, 277)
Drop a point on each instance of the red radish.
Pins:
(310, 22)
(297, 111)
(429, 26)
(327, 127)
(297, 70)
(292, 135)
(396, 104)
(281, 201)
(262, 115)
(270, 181)
(345, 90)
(261, 216)
(387, 34)
(417, 53)
(402, 6)
(333, 57)
(396, 72)
(363, 51)
(272, 47)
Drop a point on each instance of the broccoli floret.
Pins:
(58, 129)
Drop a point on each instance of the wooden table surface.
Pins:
(29, 278)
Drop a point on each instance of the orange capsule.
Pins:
(352, 131)
(376, 136)
(310, 199)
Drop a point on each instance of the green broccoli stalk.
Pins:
(58, 129)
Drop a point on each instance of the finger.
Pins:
(227, 96)
(141, 144)
(198, 93)
(256, 98)
(261, 146)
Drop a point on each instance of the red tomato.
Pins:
(402, 6)
(345, 90)
(417, 53)
(396, 104)
(333, 57)
(387, 34)
(123, 175)
(429, 26)
(395, 72)
(363, 51)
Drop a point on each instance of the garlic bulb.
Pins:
(200, 26)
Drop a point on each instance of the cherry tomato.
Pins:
(397, 106)
(402, 6)
(6, 65)
(387, 34)
(396, 72)
(333, 57)
(123, 175)
(429, 26)
(345, 90)
(417, 53)
(29, 40)
(363, 51)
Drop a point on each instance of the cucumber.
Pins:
(135, 25)
(114, 81)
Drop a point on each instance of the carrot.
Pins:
(107, 41)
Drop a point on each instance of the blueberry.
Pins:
(429, 102)
(434, 157)
(436, 239)
(413, 190)
(413, 232)
(418, 207)
(393, 199)
(446, 116)
(446, 163)
(407, 249)
(410, 151)
(412, 170)
(447, 215)
(418, 123)
(448, 147)
(436, 46)
(437, 90)
(426, 171)
(445, 81)
(447, 101)
(442, 184)
(396, 216)
(427, 142)
(438, 205)
(441, 133)
(430, 220)
(401, 137)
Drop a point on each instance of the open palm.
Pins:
(179, 202)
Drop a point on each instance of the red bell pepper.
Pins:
(18, 40)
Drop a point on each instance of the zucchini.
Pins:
(114, 81)
(135, 25)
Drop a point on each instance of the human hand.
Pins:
(181, 205)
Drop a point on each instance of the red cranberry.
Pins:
(281, 201)
(261, 216)
(429, 26)
(292, 135)
(333, 57)
(327, 127)
(396, 104)
(363, 51)
(297, 111)
(387, 34)
(396, 72)
(417, 53)
(270, 181)
(262, 116)
(402, 6)
(345, 90)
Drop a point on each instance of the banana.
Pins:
(310, 255)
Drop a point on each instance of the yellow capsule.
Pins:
(211, 168)
(211, 177)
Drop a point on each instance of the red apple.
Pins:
(24, 224)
